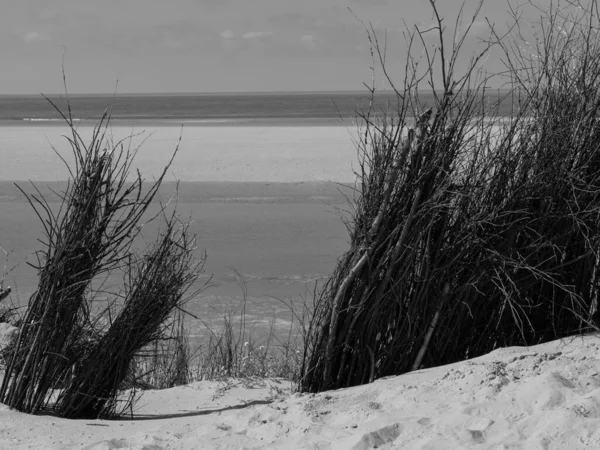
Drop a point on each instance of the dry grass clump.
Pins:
(7, 312)
(178, 359)
(229, 349)
(156, 287)
(9, 319)
(166, 362)
(227, 355)
(65, 338)
(470, 232)
(236, 350)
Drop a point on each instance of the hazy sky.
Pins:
(209, 45)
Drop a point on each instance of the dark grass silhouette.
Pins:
(65, 340)
(468, 232)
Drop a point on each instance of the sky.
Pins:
(153, 46)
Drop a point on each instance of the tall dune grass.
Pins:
(470, 233)
(65, 339)
(155, 290)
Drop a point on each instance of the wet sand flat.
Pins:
(207, 153)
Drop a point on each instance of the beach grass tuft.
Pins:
(227, 349)
(69, 338)
(470, 232)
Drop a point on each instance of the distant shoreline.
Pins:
(263, 109)
(212, 122)
(195, 192)
(205, 94)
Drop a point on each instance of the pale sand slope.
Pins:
(543, 397)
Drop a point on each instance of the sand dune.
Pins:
(542, 397)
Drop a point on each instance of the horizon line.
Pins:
(224, 93)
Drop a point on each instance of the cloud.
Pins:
(169, 42)
(309, 41)
(34, 36)
(372, 2)
(227, 34)
(251, 41)
(212, 4)
(325, 33)
(478, 28)
(256, 34)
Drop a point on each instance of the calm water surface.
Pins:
(281, 237)
(261, 108)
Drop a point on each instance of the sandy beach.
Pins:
(543, 397)
(206, 153)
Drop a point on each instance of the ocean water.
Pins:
(261, 177)
(193, 108)
(315, 108)
(281, 238)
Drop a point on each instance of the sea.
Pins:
(283, 108)
(266, 180)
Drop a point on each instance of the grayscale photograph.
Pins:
(300, 224)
